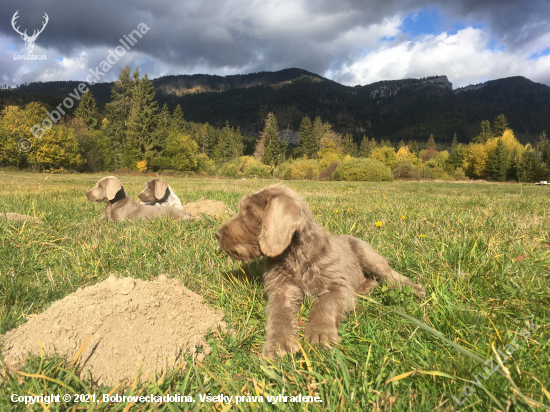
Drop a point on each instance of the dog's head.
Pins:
(155, 190)
(264, 226)
(105, 190)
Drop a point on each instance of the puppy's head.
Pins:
(155, 190)
(105, 190)
(264, 226)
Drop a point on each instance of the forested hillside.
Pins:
(391, 110)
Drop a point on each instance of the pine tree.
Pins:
(119, 108)
(164, 125)
(454, 143)
(431, 145)
(87, 109)
(400, 144)
(306, 141)
(349, 145)
(364, 148)
(229, 144)
(529, 166)
(178, 122)
(500, 125)
(142, 140)
(272, 152)
(497, 166)
(543, 148)
(413, 147)
(318, 132)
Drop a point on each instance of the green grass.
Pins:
(479, 292)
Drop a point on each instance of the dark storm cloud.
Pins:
(217, 36)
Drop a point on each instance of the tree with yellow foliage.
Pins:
(385, 155)
(475, 161)
(405, 156)
(58, 148)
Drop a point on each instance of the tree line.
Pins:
(133, 132)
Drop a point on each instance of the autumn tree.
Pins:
(58, 148)
(318, 131)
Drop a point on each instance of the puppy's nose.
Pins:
(218, 234)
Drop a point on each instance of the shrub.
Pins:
(231, 169)
(283, 171)
(142, 165)
(326, 174)
(329, 155)
(459, 174)
(385, 155)
(438, 173)
(204, 163)
(370, 170)
(406, 170)
(257, 169)
(304, 169)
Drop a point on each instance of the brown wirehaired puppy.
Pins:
(158, 192)
(120, 206)
(301, 257)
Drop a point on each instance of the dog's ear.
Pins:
(281, 219)
(160, 188)
(113, 186)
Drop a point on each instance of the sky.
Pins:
(349, 41)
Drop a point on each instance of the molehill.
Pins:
(130, 322)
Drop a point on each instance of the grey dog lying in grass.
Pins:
(302, 257)
(158, 192)
(120, 206)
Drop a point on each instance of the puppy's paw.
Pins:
(321, 334)
(280, 346)
(419, 291)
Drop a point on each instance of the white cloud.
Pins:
(465, 57)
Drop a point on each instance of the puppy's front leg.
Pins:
(327, 312)
(280, 338)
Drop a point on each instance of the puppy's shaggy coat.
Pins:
(158, 192)
(302, 257)
(120, 206)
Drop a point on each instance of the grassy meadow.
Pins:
(481, 250)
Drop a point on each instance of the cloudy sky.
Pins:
(349, 41)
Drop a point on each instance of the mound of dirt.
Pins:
(130, 321)
(17, 217)
(213, 208)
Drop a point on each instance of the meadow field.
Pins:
(481, 250)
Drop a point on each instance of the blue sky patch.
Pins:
(426, 21)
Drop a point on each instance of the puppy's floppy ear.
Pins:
(160, 188)
(113, 186)
(281, 219)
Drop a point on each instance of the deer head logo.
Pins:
(29, 40)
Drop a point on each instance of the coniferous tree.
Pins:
(543, 148)
(500, 125)
(87, 109)
(497, 166)
(364, 148)
(229, 144)
(454, 143)
(119, 108)
(431, 145)
(178, 122)
(413, 147)
(272, 152)
(141, 139)
(306, 141)
(318, 133)
(401, 144)
(164, 125)
(349, 147)
(485, 134)
(529, 166)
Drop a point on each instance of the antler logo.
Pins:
(29, 40)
